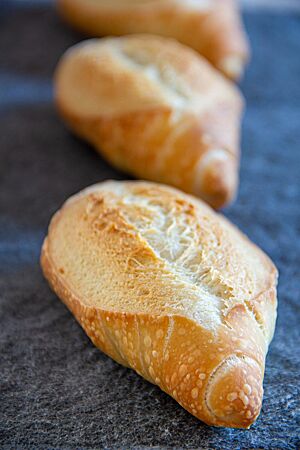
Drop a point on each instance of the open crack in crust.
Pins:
(211, 27)
(162, 284)
(155, 109)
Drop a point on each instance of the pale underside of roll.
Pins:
(155, 109)
(166, 286)
(212, 27)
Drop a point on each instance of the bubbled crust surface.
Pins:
(164, 285)
(155, 109)
(211, 27)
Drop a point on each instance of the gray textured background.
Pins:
(57, 390)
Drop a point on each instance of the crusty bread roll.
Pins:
(155, 109)
(211, 27)
(166, 286)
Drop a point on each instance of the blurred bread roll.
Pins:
(212, 27)
(155, 109)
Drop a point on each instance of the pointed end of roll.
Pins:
(217, 178)
(234, 393)
(233, 67)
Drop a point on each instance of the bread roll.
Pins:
(211, 27)
(166, 286)
(155, 109)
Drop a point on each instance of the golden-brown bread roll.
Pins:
(212, 27)
(155, 109)
(164, 285)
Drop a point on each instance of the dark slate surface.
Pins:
(57, 390)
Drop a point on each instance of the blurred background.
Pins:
(57, 390)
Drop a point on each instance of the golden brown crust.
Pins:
(154, 109)
(167, 294)
(211, 27)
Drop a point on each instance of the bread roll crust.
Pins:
(164, 285)
(154, 109)
(211, 27)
